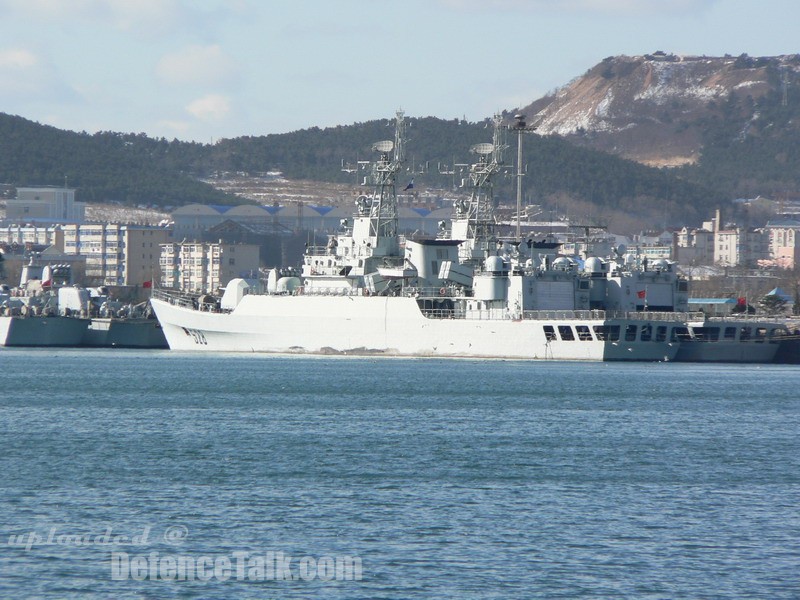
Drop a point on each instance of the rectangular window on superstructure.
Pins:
(661, 333)
(549, 333)
(630, 333)
(565, 331)
(434, 268)
(584, 334)
(730, 333)
(744, 334)
(613, 333)
(601, 332)
(647, 333)
(680, 334)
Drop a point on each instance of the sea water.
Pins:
(134, 474)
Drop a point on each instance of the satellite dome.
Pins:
(660, 264)
(562, 262)
(594, 264)
(495, 264)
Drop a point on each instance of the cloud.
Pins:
(198, 65)
(176, 127)
(594, 6)
(26, 76)
(17, 59)
(145, 17)
(213, 107)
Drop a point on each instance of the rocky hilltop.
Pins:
(655, 108)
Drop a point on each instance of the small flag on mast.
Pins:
(642, 293)
(409, 186)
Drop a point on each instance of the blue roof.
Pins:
(221, 208)
(322, 210)
(780, 293)
(271, 209)
(423, 212)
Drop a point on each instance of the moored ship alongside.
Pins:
(736, 339)
(468, 294)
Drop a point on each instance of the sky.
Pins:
(208, 69)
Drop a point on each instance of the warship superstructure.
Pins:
(466, 293)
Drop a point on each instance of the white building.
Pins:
(45, 205)
(784, 242)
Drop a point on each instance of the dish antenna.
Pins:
(482, 149)
(385, 146)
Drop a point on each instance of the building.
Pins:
(37, 235)
(740, 247)
(193, 221)
(784, 242)
(117, 254)
(206, 267)
(45, 205)
(695, 246)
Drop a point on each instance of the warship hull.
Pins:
(124, 333)
(42, 331)
(393, 326)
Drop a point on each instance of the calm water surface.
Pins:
(446, 479)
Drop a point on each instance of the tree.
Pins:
(772, 305)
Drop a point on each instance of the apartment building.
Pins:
(784, 242)
(117, 254)
(206, 267)
(24, 235)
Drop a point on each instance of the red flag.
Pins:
(147, 284)
(47, 283)
(741, 301)
(642, 293)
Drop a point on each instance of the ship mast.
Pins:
(383, 200)
(474, 219)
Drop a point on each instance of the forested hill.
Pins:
(558, 172)
(104, 167)
(135, 169)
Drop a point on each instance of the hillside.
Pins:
(127, 168)
(135, 169)
(731, 123)
(578, 181)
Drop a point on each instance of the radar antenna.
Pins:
(474, 218)
(383, 200)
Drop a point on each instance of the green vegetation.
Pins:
(135, 169)
(127, 168)
(751, 147)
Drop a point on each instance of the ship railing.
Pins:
(434, 292)
(737, 317)
(330, 291)
(176, 298)
(670, 317)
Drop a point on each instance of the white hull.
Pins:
(382, 325)
(42, 331)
